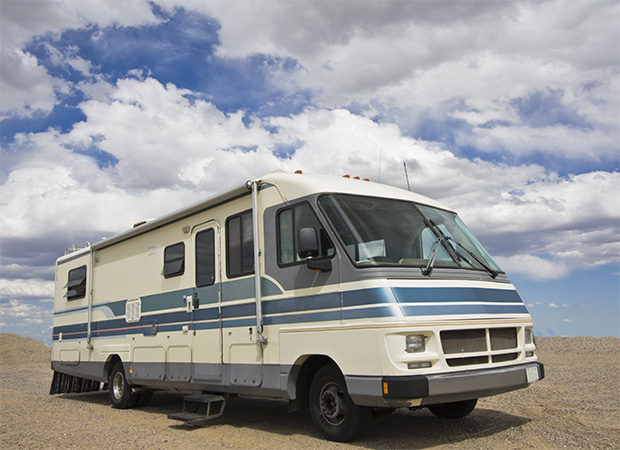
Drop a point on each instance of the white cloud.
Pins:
(26, 288)
(553, 305)
(173, 147)
(533, 266)
(409, 58)
(408, 61)
(26, 318)
(26, 87)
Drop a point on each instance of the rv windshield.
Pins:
(381, 231)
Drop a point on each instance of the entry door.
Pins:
(206, 303)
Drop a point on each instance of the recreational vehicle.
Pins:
(340, 295)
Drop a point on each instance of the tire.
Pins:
(333, 412)
(121, 395)
(454, 410)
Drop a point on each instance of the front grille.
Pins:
(504, 357)
(479, 346)
(503, 338)
(455, 362)
(463, 341)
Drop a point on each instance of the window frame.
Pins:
(322, 232)
(71, 284)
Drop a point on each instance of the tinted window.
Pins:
(290, 221)
(205, 257)
(76, 285)
(174, 260)
(239, 245)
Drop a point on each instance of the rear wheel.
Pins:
(333, 412)
(454, 410)
(121, 394)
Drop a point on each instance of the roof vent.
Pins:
(76, 247)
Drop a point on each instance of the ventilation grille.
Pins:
(479, 346)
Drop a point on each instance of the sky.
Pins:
(506, 111)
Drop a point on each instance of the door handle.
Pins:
(189, 306)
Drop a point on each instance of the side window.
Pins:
(239, 245)
(289, 222)
(174, 260)
(76, 285)
(205, 258)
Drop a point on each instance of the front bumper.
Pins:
(416, 390)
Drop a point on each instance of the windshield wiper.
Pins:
(454, 253)
(441, 239)
(491, 272)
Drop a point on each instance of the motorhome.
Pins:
(340, 295)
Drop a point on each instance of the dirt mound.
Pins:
(17, 350)
(584, 347)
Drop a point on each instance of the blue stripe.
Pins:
(368, 297)
(432, 295)
(323, 316)
(231, 290)
(370, 303)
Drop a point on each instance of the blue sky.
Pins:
(508, 112)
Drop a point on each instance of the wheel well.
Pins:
(303, 379)
(109, 365)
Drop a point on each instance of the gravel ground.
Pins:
(576, 406)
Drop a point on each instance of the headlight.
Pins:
(529, 336)
(415, 343)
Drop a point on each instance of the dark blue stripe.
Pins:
(368, 313)
(323, 316)
(411, 295)
(397, 302)
(309, 303)
(368, 297)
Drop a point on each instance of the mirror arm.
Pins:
(324, 265)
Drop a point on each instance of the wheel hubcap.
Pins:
(332, 404)
(118, 385)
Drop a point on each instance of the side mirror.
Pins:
(309, 249)
(308, 243)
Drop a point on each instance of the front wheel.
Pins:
(454, 410)
(333, 412)
(121, 394)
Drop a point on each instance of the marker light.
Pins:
(529, 336)
(419, 365)
(415, 343)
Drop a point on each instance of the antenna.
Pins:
(380, 155)
(407, 176)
